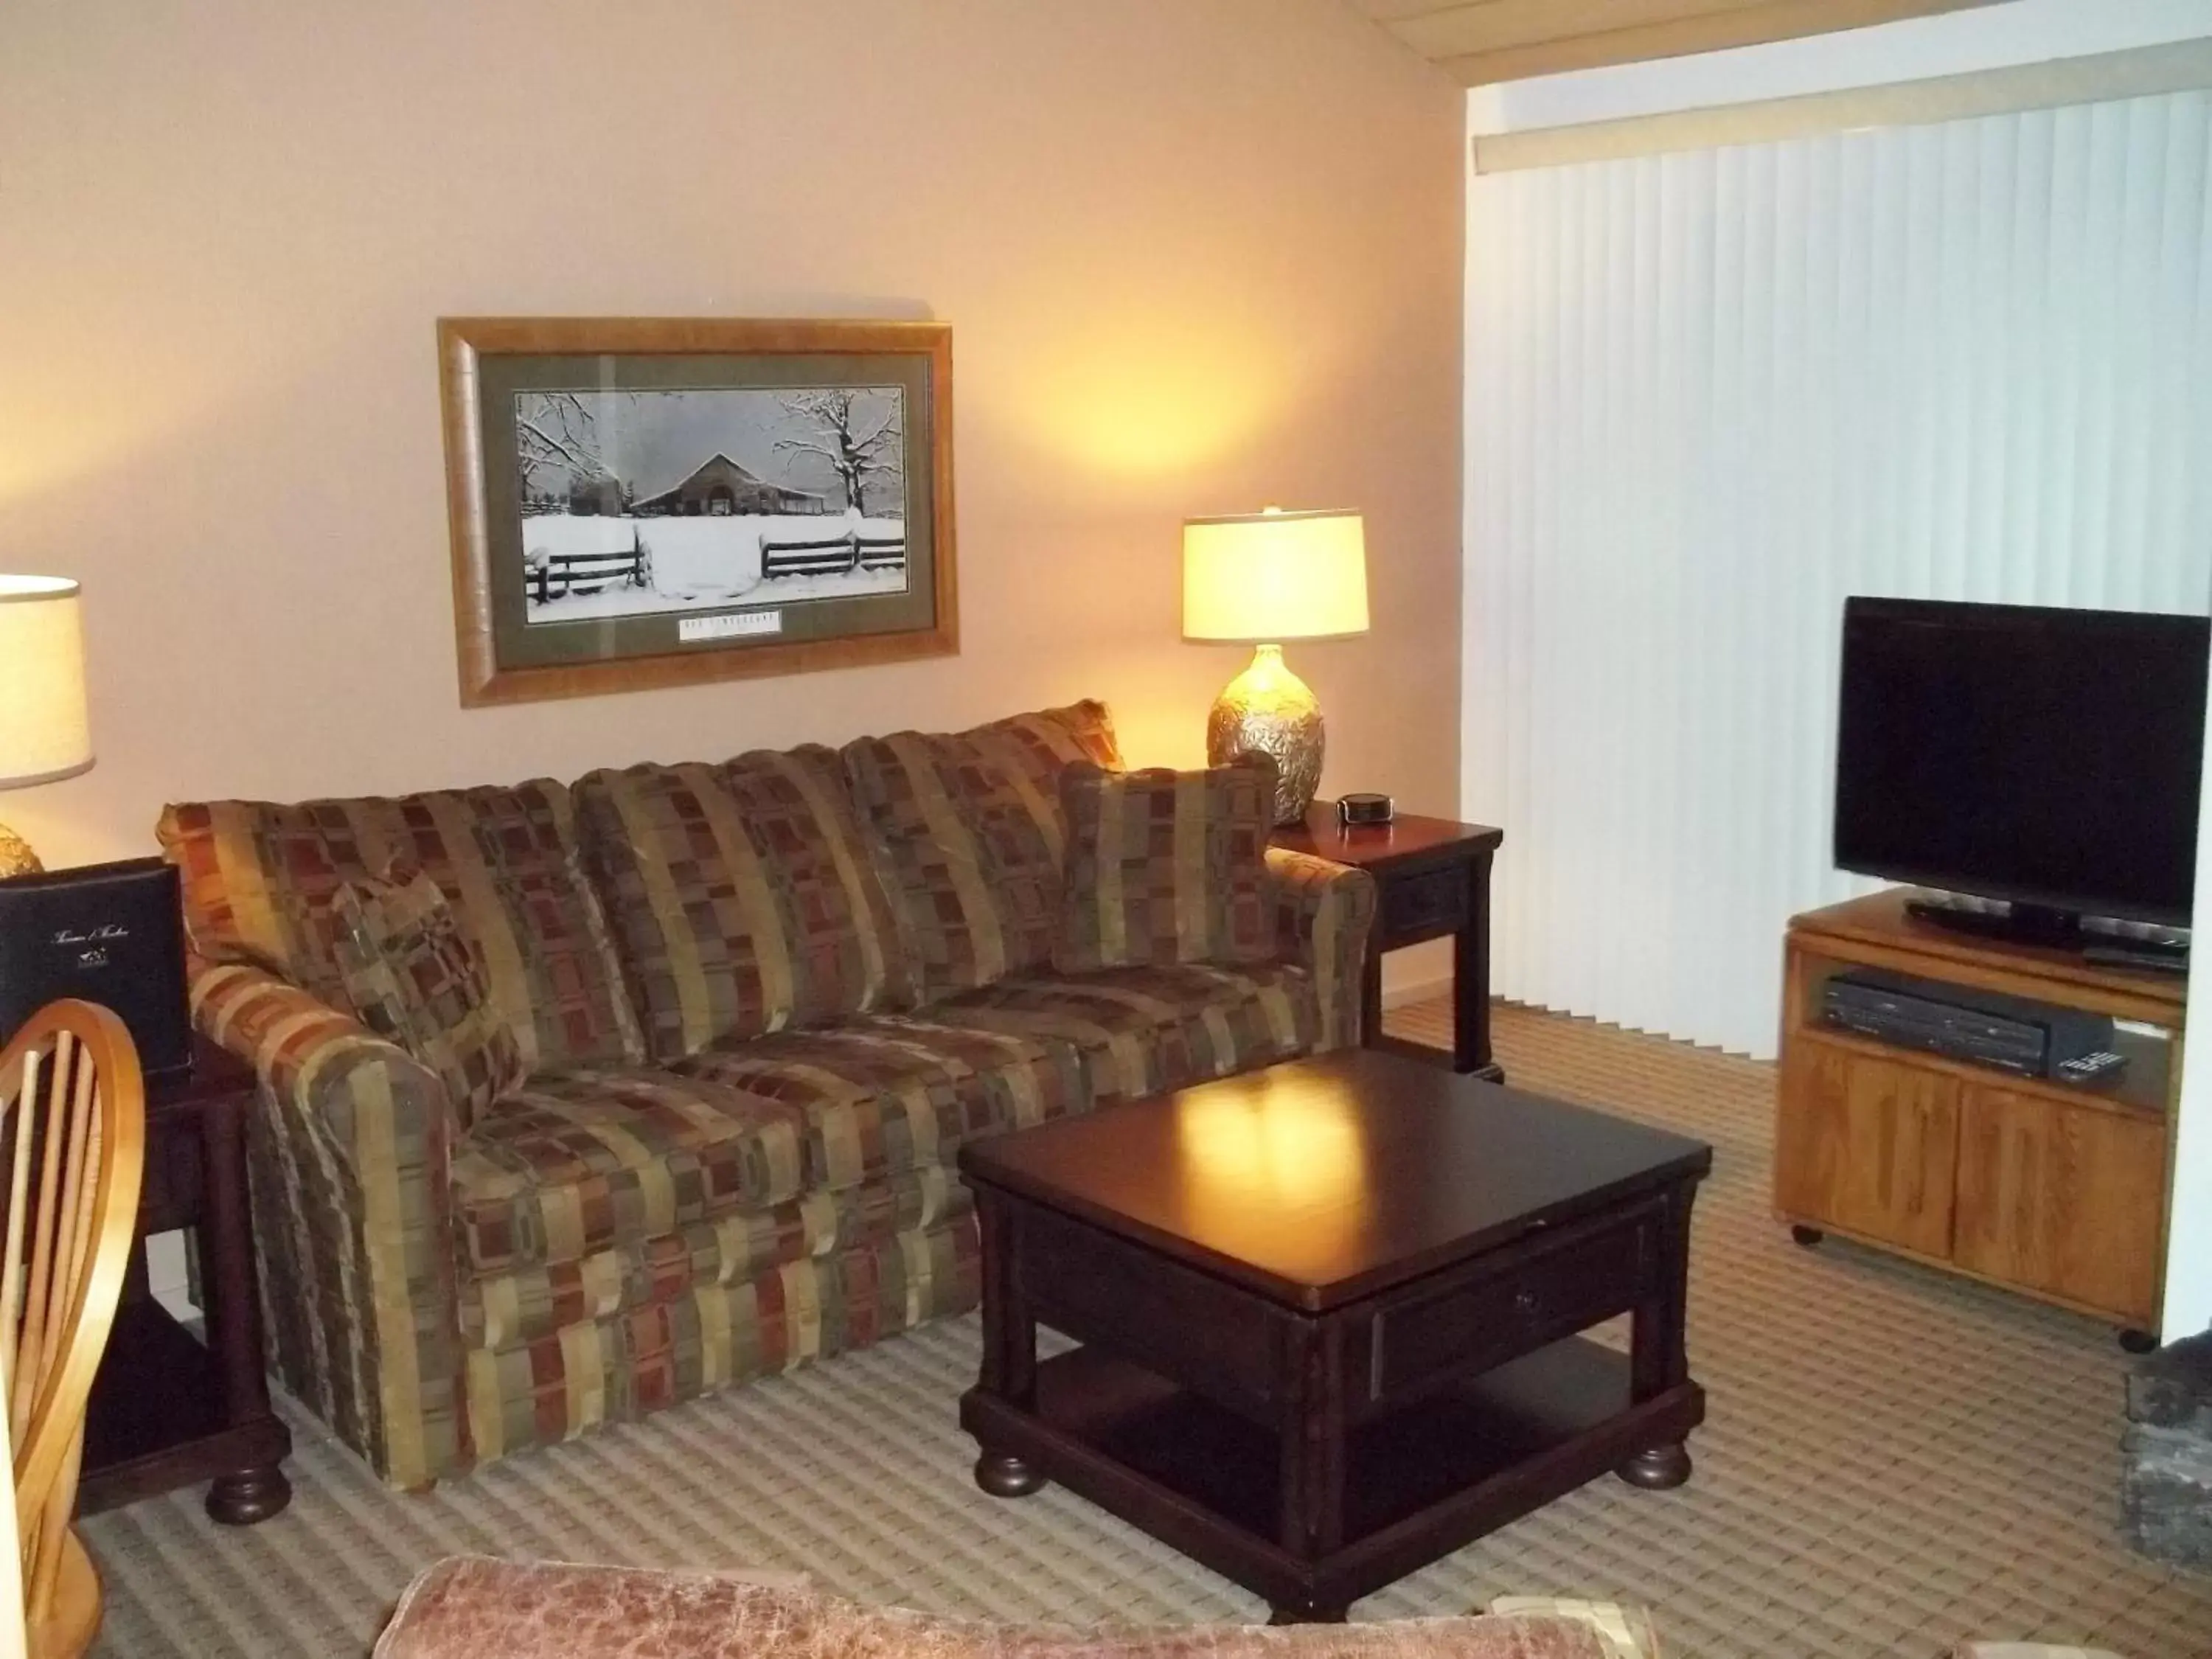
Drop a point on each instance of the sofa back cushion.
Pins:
(260, 878)
(967, 830)
(1166, 866)
(742, 896)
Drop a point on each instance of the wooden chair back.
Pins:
(72, 1153)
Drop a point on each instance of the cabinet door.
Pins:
(2065, 1199)
(1866, 1145)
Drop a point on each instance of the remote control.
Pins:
(2090, 1068)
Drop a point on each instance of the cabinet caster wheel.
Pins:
(2135, 1341)
(1808, 1237)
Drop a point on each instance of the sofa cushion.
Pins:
(414, 976)
(575, 1162)
(742, 896)
(967, 830)
(259, 878)
(530, 1302)
(1138, 1031)
(887, 1094)
(1166, 866)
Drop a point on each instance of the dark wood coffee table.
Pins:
(1327, 1313)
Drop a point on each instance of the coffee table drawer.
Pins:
(1087, 1284)
(1482, 1315)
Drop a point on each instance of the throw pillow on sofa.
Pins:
(743, 897)
(967, 830)
(414, 976)
(1166, 866)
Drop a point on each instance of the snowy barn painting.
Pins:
(648, 501)
(644, 502)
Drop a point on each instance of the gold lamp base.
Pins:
(1269, 708)
(16, 858)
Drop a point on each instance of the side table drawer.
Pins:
(1551, 1286)
(170, 1193)
(1424, 905)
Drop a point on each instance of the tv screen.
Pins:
(2049, 757)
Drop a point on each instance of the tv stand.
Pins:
(2051, 1189)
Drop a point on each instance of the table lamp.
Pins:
(1260, 579)
(44, 733)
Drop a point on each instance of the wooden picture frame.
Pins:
(605, 538)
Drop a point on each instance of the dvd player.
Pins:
(2012, 1034)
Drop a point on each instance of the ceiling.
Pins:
(1479, 41)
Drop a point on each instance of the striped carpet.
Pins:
(1893, 1460)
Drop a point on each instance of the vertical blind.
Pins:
(1710, 395)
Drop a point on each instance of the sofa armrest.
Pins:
(1324, 917)
(352, 1157)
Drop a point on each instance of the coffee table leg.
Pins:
(1656, 1469)
(1002, 1474)
(1009, 1344)
(1658, 1358)
(1311, 1432)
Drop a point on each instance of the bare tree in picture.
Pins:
(558, 431)
(856, 445)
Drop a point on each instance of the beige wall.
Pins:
(1197, 255)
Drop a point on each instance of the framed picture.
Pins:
(645, 502)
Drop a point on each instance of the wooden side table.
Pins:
(167, 1410)
(1434, 876)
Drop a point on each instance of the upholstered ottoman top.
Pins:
(471, 1608)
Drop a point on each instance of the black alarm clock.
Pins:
(1363, 809)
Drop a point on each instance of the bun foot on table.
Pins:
(250, 1495)
(1657, 1468)
(1002, 1474)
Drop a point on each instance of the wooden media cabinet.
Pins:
(2056, 1191)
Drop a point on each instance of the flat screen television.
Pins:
(2049, 758)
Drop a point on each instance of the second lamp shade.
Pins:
(1263, 578)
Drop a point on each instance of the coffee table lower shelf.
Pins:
(1420, 1482)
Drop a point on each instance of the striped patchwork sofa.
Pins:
(758, 1007)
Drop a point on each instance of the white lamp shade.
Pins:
(1263, 578)
(44, 732)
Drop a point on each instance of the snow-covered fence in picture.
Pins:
(557, 575)
(849, 552)
(588, 567)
